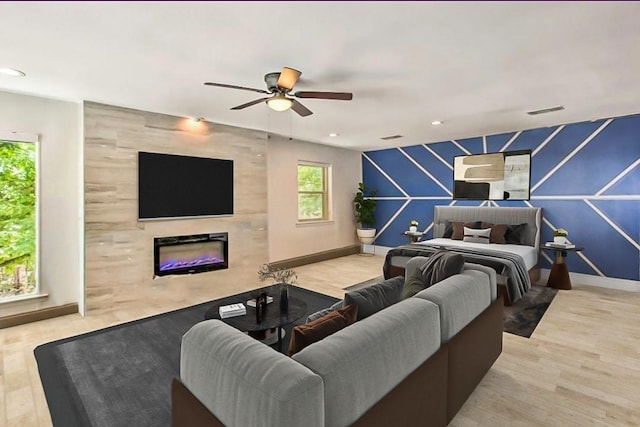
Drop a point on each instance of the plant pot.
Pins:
(366, 235)
(413, 229)
(559, 239)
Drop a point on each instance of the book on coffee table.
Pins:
(232, 310)
(252, 301)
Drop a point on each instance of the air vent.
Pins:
(545, 110)
(389, 138)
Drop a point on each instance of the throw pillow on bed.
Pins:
(497, 232)
(458, 228)
(436, 268)
(305, 335)
(472, 235)
(374, 298)
(515, 234)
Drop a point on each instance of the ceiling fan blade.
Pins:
(249, 104)
(300, 109)
(342, 96)
(236, 87)
(288, 78)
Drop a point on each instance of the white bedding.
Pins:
(528, 253)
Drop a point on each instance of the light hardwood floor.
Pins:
(581, 367)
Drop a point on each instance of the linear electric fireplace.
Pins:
(190, 254)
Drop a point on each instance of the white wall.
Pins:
(287, 239)
(59, 125)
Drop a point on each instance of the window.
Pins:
(313, 192)
(17, 219)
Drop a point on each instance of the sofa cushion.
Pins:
(246, 383)
(433, 269)
(460, 299)
(305, 335)
(376, 297)
(362, 363)
(318, 314)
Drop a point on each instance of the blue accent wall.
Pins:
(585, 176)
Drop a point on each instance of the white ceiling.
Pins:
(479, 67)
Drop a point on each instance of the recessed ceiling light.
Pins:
(436, 122)
(334, 134)
(12, 72)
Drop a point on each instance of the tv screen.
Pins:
(172, 186)
(492, 176)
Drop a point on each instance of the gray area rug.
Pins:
(121, 376)
(524, 315)
(519, 319)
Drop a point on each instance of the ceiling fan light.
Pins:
(279, 103)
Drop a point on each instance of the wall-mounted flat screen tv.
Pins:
(493, 176)
(172, 186)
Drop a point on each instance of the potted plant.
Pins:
(560, 236)
(413, 226)
(365, 208)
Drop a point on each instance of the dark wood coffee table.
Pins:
(273, 318)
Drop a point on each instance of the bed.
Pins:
(517, 265)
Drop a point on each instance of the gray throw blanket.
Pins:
(510, 265)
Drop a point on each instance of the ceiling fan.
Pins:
(279, 86)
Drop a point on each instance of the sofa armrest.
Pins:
(493, 277)
(244, 382)
(460, 298)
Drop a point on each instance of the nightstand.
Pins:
(559, 275)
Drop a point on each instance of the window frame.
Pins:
(29, 138)
(326, 193)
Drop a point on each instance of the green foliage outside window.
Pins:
(312, 193)
(17, 218)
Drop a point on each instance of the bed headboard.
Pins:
(532, 216)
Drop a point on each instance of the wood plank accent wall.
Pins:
(119, 248)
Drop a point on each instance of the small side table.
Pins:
(415, 236)
(559, 275)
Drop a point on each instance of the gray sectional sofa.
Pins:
(412, 363)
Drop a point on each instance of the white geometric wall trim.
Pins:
(584, 176)
(505, 146)
(570, 156)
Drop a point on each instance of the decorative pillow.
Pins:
(443, 265)
(448, 230)
(318, 314)
(436, 268)
(515, 234)
(476, 236)
(413, 276)
(305, 335)
(374, 298)
(458, 228)
(497, 232)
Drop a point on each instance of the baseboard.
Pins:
(317, 257)
(600, 281)
(36, 315)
